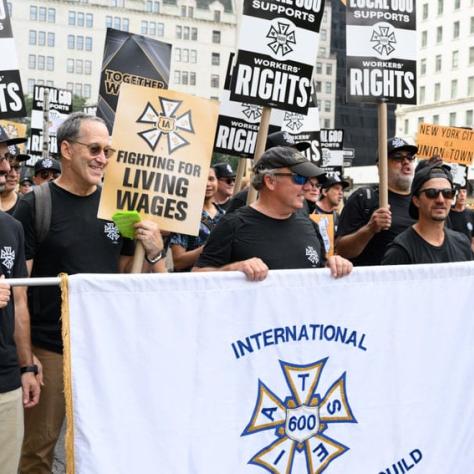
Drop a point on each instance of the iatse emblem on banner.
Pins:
(166, 123)
(301, 421)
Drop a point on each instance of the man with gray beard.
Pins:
(365, 230)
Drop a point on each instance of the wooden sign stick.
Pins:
(382, 150)
(239, 174)
(138, 257)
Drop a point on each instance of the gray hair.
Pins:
(258, 178)
(69, 129)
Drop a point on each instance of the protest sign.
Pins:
(381, 51)
(452, 144)
(278, 45)
(326, 228)
(332, 153)
(12, 102)
(299, 374)
(164, 146)
(15, 130)
(60, 106)
(130, 59)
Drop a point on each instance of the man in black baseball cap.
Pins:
(365, 229)
(270, 234)
(429, 240)
(46, 169)
(225, 184)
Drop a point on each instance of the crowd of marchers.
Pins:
(49, 225)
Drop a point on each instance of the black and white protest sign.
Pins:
(381, 51)
(12, 103)
(60, 106)
(332, 153)
(278, 45)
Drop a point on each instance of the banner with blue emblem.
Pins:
(298, 374)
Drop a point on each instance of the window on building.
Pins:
(192, 78)
(31, 61)
(439, 34)
(70, 66)
(327, 123)
(51, 39)
(87, 91)
(108, 22)
(177, 55)
(323, 34)
(152, 28)
(424, 39)
(42, 14)
(186, 32)
(455, 59)
(41, 38)
(215, 80)
(185, 55)
(470, 86)
(421, 120)
(327, 87)
(456, 30)
(33, 13)
(436, 119)
(191, 12)
(471, 55)
(69, 86)
(319, 68)
(329, 69)
(216, 59)
(423, 67)
(318, 86)
(179, 32)
(472, 25)
(454, 88)
(405, 126)
(125, 24)
(469, 117)
(424, 14)
(40, 64)
(79, 43)
(9, 6)
(32, 37)
(71, 42)
(194, 34)
(217, 16)
(51, 15)
(327, 106)
(89, 20)
(88, 43)
(31, 86)
(438, 63)
(117, 23)
(452, 119)
(440, 7)
(184, 78)
(437, 92)
(148, 6)
(79, 66)
(177, 77)
(160, 29)
(193, 56)
(80, 19)
(156, 7)
(71, 18)
(87, 67)
(50, 63)
(183, 10)
(457, 4)
(144, 27)
(78, 89)
(322, 51)
(216, 37)
(421, 95)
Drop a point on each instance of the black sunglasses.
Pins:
(296, 178)
(45, 174)
(433, 193)
(402, 156)
(228, 180)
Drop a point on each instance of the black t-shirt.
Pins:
(462, 221)
(281, 243)
(410, 247)
(77, 242)
(12, 265)
(356, 213)
(237, 201)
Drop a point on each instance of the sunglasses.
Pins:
(402, 156)
(96, 150)
(296, 178)
(228, 180)
(433, 193)
(45, 174)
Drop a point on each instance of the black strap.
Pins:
(43, 209)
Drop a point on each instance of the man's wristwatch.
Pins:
(156, 259)
(29, 368)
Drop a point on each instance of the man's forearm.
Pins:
(22, 327)
(352, 245)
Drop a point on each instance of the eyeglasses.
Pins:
(228, 180)
(46, 174)
(433, 193)
(400, 156)
(296, 178)
(313, 184)
(96, 150)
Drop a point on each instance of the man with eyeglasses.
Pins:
(225, 184)
(429, 240)
(46, 169)
(19, 386)
(269, 234)
(77, 242)
(365, 230)
(10, 195)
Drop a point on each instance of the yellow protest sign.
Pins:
(326, 228)
(164, 141)
(14, 130)
(452, 144)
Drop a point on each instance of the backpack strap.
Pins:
(43, 209)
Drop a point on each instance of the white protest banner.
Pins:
(210, 373)
(164, 143)
(60, 106)
(12, 102)
(381, 51)
(278, 45)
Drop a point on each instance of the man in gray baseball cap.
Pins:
(269, 234)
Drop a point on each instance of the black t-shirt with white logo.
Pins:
(357, 212)
(462, 221)
(12, 265)
(77, 242)
(294, 242)
(409, 247)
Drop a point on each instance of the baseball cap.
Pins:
(16, 154)
(420, 178)
(285, 139)
(26, 179)
(223, 170)
(397, 143)
(47, 164)
(5, 139)
(332, 180)
(286, 157)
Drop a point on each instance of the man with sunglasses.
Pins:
(10, 195)
(76, 242)
(269, 234)
(429, 240)
(365, 230)
(46, 169)
(225, 184)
